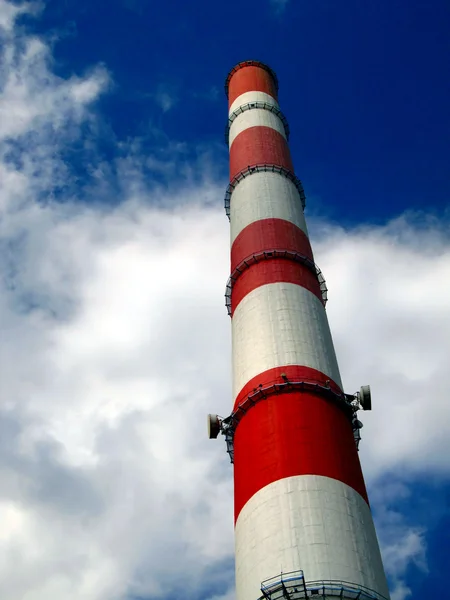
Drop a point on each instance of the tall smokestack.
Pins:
(303, 524)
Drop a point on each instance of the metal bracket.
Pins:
(250, 106)
(351, 404)
(269, 255)
(259, 168)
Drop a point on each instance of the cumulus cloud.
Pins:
(403, 542)
(9, 13)
(391, 329)
(31, 92)
(108, 361)
(389, 313)
(115, 345)
(407, 549)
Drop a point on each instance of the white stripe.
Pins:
(308, 522)
(247, 97)
(265, 195)
(255, 117)
(280, 324)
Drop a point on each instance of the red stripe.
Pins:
(292, 372)
(289, 435)
(251, 79)
(259, 145)
(273, 270)
(269, 234)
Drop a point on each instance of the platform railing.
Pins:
(292, 586)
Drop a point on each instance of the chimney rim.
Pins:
(250, 63)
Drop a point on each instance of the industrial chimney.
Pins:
(303, 525)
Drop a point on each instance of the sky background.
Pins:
(114, 254)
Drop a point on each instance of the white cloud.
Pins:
(9, 13)
(389, 312)
(402, 542)
(403, 546)
(31, 93)
(389, 309)
(115, 345)
(408, 548)
(99, 409)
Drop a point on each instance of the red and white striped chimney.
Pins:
(300, 498)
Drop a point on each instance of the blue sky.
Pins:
(363, 84)
(114, 257)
